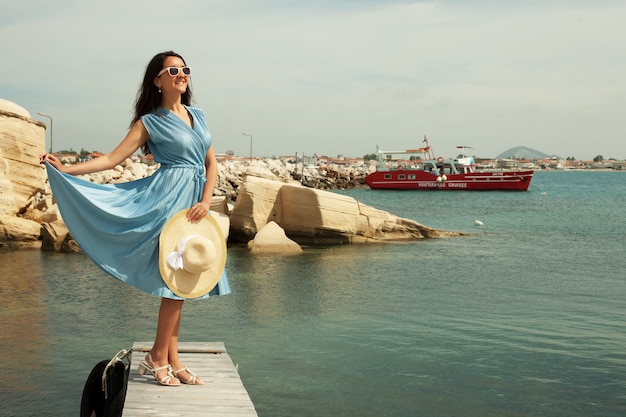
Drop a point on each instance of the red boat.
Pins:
(425, 172)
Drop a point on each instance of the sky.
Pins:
(332, 77)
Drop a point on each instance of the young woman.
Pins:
(118, 225)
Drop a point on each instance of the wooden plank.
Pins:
(187, 347)
(223, 394)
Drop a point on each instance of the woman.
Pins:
(118, 225)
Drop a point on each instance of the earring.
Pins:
(159, 91)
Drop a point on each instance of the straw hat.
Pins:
(191, 255)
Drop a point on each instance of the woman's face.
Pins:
(172, 84)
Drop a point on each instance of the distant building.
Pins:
(67, 158)
(508, 163)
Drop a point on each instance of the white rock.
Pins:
(22, 140)
(18, 232)
(316, 216)
(136, 170)
(53, 235)
(7, 201)
(272, 239)
(223, 221)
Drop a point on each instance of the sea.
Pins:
(524, 316)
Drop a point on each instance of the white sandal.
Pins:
(168, 380)
(193, 380)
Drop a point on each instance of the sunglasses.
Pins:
(174, 71)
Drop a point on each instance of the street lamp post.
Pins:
(245, 134)
(49, 117)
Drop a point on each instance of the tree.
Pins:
(598, 158)
(370, 157)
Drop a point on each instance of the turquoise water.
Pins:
(525, 316)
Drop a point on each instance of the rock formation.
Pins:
(20, 233)
(21, 176)
(311, 216)
(272, 239)
(22, 140)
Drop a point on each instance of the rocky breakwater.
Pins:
(264, 191)
(326, 176)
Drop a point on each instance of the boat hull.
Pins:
(475, 181)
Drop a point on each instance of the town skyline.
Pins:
(508, 154)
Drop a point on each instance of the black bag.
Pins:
(105, 389)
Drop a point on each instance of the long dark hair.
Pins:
(148, 96)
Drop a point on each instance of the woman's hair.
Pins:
(148, 96)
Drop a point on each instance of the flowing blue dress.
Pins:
(118, 225)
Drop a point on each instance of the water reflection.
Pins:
(23, 315)
(317, 282)
(266, 286)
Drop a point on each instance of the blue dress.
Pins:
(118, 225)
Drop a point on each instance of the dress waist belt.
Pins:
(199, 170)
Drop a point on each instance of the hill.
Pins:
(522, 152)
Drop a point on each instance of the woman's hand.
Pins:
(52, 160)
(198, 211)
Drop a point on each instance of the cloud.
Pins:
(332, 77)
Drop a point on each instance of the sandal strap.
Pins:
(191, 380)
(167, 378)
(185, 369)
(163, 367)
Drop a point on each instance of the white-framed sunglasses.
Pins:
(174, 71)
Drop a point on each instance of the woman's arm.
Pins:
(201, 208)
(135, 138)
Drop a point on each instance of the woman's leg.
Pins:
(174, 360)
(172, 351)
(167, 333)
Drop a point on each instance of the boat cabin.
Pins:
(435, 167)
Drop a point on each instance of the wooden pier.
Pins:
(222, 395)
